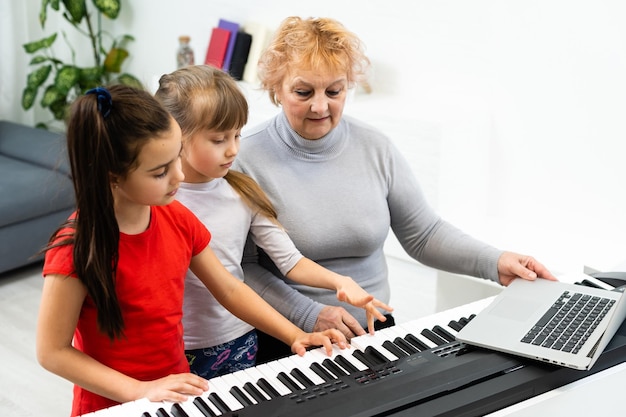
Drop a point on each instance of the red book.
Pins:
(218, 44)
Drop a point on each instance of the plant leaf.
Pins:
(40, 44)
(89, 78)
(77, 9)
(28, 97)
(50, 96)
(59, 108)
(43, 12)
(114, 60)
(66, 78)
(38, 60)
(109, 8)
(38, 77)
(130, 80)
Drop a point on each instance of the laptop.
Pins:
(529, 319)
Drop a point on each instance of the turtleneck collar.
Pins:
(324, 148)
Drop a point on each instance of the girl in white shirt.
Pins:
(211, 110)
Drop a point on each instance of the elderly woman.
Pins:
(338, 185)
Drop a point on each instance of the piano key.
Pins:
(268, 388)
(334, 368)
(455, 325)
(364, 359)
(252, 390)
(241, 396)
(282, 374)
(362, 342)
(433, 337)
(160, 412)
(391, 347)
(418, 343)
(376, 355)
(270, 375)
(302, 378)
(340, 356)
(406, 346)
(218, 402)
(206, 408)
(446, 334)
(322, 372)
(219, 387)
(303, 363)
(189, 407)
(261, 383)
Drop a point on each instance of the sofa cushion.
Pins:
(37, 146)
(30, 191)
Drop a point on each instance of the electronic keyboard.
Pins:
(416, 368)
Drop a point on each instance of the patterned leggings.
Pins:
(223, 359)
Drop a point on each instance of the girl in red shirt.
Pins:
(111, 308)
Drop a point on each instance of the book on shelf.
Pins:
(260, 38)
(218, 44)
(233, 28)
(241, 52)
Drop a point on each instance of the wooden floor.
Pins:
(27, 390)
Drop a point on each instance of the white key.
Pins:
(362, 342)
(205, 398)
(295, 361)
(244, 377)
(255, 374)
(232, 381)
(220, 387)
(270, 376)
(189, 407)
(278, 367)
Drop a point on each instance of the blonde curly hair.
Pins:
(313, 43)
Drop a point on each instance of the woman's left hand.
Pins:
(513, 265)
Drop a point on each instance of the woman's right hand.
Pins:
(175, 388)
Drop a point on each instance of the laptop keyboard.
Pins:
(570, 321)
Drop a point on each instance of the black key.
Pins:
(394, 349)
(371, 351)
(301, 378)
(463, 321)
(406, 346)
(254, 392)
(177, 411)
(346, 364)
(240, 396)
(145, 414)
(430, 335)
(334, 368)
(421, 346)
(449, 337)
(364, 359)
(268, 388)
(322, 372)
(219, 403)
(289, 383)
(162, 413)
(455, 325)
(203, 407)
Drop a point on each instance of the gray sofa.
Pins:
(36, 193)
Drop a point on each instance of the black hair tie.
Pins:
(105, 103)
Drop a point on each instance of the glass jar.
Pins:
(185, 53)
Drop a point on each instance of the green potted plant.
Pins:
(61, 81)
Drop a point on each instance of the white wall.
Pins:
(510, 111)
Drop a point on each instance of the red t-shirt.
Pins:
(149, 284)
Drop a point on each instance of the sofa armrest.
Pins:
(36, 146)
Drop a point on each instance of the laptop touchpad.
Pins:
(514, 308)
